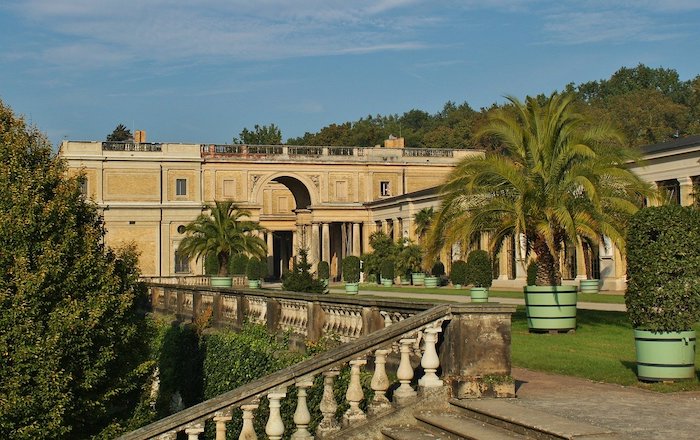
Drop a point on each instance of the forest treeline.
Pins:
(648, 105)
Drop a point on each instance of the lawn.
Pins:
(601, 349)
(449, 290)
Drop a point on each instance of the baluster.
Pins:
(405, 394)
(430, 360)
(329, 425)
(302, 417)
(248, 431)
(275, 427)
(170, 435)
(194, 430)
(354, 395)
(221, 418)
(380, 383)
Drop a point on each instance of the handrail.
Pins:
(287, 376)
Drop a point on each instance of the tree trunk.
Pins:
(223, 264)
(548, 271)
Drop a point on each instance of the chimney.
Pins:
(394, 142)
(140, 136)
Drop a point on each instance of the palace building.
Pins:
(328, 200)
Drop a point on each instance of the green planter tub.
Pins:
(590, 286)
(457, 286)
(352, 288)
(418, 278)
(431, 281)
(479, 294)
(387, 282)
(550, 307)
(221, 281)
(253, 284)
(665, 356)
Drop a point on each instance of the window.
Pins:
(83, 187)
(182, 264)
(181, 187)
(671, 191)
(384, 189)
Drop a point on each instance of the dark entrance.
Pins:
(281, 251)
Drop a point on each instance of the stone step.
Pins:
(529, 422)
(461, 426)
(413, 432)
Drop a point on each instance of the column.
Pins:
(581, 256)
(326, 242)
(356, 244)
(368, 228)
(295, 242)
(343, 240)
(315, 237)
(503, 262)
(686, 190)
(270, 253)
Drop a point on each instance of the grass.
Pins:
(602, 349)
(449, 290)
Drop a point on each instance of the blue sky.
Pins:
(201, 71)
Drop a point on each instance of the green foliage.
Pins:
(222, 232)
(351, 269)
(180, 369)
(561, 177)
(73, 334)
(387, 269)
(458, 275)
(300, 278)
(532, 273)
(324, 270)
(383, 248)
(260, 135)
(480, 268)
(120, 134)
(663, 269)
(423, 219)
(252, 270)
(438, 269)
(239, 263)
(409, 259)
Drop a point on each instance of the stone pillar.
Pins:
(295, 242)
(520, 269)
(343, 241)
(314, 251)
(326, 242)
(356, 243)
(686, 190)
(270, 253)
(503, 262)
(397, 229)
(580, 261)
(368, 229)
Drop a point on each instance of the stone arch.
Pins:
(298, 185)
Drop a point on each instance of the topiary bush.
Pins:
(351, 269)
(324, 270)
(438, 269)
(300, 278)
(239, 263)
(253, 269)
(663, 269)
(480, 269)
(387, 269)
(532, 273)
(458, 274)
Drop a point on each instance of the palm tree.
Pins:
(559, 178)
(222, 232)
(423, 220)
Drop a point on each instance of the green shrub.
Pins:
(663, 268)
(532, 273)
(324, 270)
(253, 269)
(239, 263)
(263, 268)
(480, 269)
(387, 269)
(438, 269)
(351, 269)
(409, 259)
(458, 275)
(300, 278)
(211, 265)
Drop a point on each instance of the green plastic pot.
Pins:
(253, 284)
(352, 288)
(550, 307)
(418, 278)
(405, 281)
(665, 356)
(431, 281)
(387, 282)
(457, 286)
(479, 294)
(220, 281)
(590, 286)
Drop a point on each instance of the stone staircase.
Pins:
(489, 419)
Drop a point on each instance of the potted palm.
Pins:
(222, 232)
(480, 275)
(436, 272)
(351, 274)
(411, 256)
(458, 274)
(253, 273)
(560, 177)
(663, 290)
(387, 272)
(324, 272)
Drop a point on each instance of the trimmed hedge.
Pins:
(387, 269)
(480, 268)
(351, 269)
(663, 268)
(458, 275)
(438, 269)
(532, 273)
(253, 269)
(324, 270)
(238, 265)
